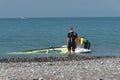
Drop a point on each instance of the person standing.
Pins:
(71, 41)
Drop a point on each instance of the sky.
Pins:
(59, 8)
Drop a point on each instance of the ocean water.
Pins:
(34, 33)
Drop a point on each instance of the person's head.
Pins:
(71, 29)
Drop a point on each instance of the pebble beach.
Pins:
(67, 68)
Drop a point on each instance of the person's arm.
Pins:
(80, 45)
(67, 41)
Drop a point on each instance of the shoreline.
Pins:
(54, 59)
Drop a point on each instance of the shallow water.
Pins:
(35, 33)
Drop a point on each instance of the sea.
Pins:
(17, 34)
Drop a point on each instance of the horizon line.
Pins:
(61, 17)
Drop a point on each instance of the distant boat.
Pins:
(24, 17)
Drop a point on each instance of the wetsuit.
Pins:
(71, 41)
(85, 42)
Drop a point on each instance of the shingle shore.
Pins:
(61, 68)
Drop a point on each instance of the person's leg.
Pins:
(73, 48)
(88, 45)
(85, 45)
(69, 48)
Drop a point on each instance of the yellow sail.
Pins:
(63, 50)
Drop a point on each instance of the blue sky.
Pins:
(60, 8)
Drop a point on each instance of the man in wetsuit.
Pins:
(71, 41)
